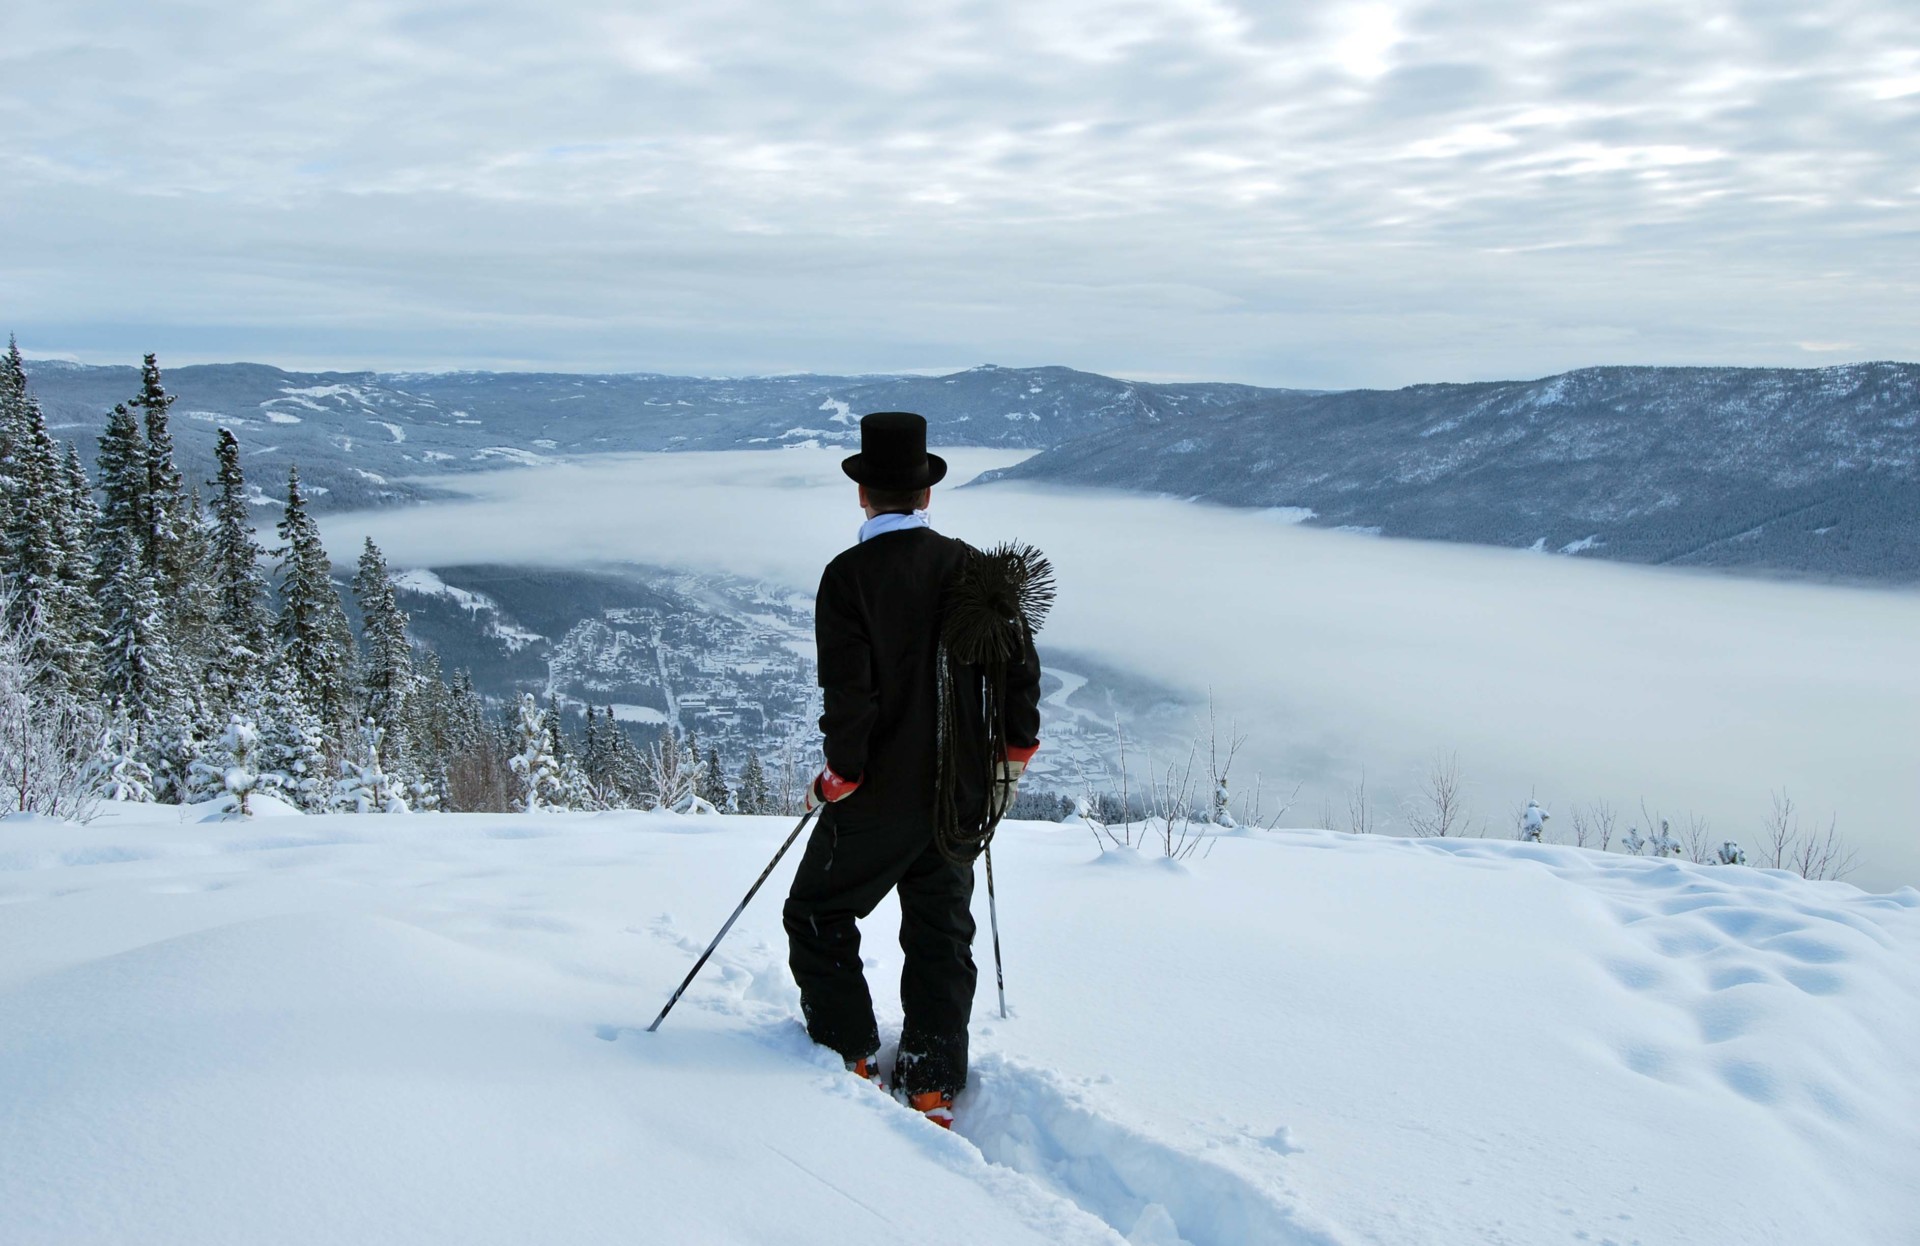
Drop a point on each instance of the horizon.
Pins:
(34, 357)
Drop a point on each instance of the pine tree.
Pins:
(292, 743)
(13, 393)
(230, 767)
(713, 781)
(138, 672)
(755, 796)
(312, 626)
(120, 770)
(365, 786)
(533, 760)
(40, 566)
(238, 665)
(557, 725)
(624, 764)
(123, 483)
(386, 667)
(165, 513)
(174, 749)
(429, 733)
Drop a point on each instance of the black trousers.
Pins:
(852, 860)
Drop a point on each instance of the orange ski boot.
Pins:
(867, 1068)
(935, 1105)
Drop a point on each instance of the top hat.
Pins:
(893, 453)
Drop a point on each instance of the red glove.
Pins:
(1006, 778)
(828, 787)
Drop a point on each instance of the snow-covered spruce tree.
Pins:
(238, 665)
(122, 479)
(165, 511)
(576, 790)
(670, 773)
(557, 725)
(79, 521)
(174, 746)
(478, 776)
(1533, 822)
(429, 734)
(13, 389)
(47, 576)
(293, 752)
(753, 796)
(713, 781)
(1732, 853)
(365, 786)
(138, 670)
(119, 770)
(533, 762)
(386, 664)
(311, 626)
(229, 768)
(593, 746)
(626, 765)
(46, 741)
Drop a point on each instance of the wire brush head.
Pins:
(999, 596)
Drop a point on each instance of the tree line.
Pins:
(147, 655)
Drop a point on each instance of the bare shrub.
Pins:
(1361, 819)
(1437, 810)
(1170, 803)
(1696, 843)
(1218, 769)
(1257, 817)
(1786, 845)
(46, 740)
(1593, 824)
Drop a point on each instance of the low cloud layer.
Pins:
(1362, 192)
(1568, 679)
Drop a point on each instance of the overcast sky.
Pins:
(1327, 194)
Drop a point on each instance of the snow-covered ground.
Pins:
(430, 1029)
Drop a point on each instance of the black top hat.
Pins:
(893, 453)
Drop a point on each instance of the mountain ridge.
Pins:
(1806, 471)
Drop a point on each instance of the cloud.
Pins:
(1342, 193)
(1566, 679)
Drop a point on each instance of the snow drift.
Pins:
(427, 1029)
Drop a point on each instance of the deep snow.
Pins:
(429, 1029)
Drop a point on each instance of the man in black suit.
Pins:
(877, 622)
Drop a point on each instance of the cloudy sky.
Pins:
(1321, 194)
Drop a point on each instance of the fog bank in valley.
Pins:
(1565, 679)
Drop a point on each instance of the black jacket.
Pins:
(876, 624)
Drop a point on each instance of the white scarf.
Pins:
(893, 521)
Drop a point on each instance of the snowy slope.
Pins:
(428, 1029)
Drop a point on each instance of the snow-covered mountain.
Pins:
(430, 1028)
(364, 437)
(1811, 471)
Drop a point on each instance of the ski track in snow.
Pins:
(1147, 1190)
(1025, 1120)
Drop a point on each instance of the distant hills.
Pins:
(360, 435)
(1810, 471)
(1813, 471)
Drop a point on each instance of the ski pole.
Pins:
(993, 916)
(751, 892)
